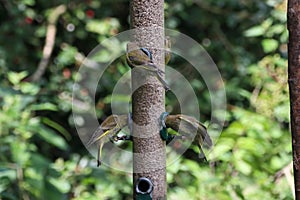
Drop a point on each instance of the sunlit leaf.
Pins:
(44, 106)
(254, 31)
(67, 55)
(15, 77)
(20, 152)
(269, 45)
(28, 88)
(243, 167)
(62, 185)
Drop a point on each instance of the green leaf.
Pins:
(277, 163)
(44, 106)
(249, 144)
(57, 127)
(20, 152)
(223, 146)
(102, 27)
(254, 31)
(8, 173)
(28, 88)
(62, 185)
(15, 77)
(6, 177)
(269, 45)
(29, 2)
(39, 162)
(67, 55)
(51, 137)
(243, 167)
(34, 181)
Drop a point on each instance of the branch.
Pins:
(49, 42)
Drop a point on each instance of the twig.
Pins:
(287, 172)
(49, 42)
(255, 94)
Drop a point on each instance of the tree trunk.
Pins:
(294, 85)
(148, 98)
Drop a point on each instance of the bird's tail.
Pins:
(163, 81)
(201, 154)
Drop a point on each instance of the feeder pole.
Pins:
(148, 100)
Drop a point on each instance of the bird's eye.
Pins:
(131, 57)
(115, 138)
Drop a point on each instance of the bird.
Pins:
(141, 58)
(108, 131)
(188, 125)
(185, 125)
(137, 56)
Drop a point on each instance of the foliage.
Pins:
(41, 156)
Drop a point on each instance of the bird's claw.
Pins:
(124, 137)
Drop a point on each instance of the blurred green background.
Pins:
(41, 155)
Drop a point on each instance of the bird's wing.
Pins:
(200, 128)
(206, 138)
(97, 135)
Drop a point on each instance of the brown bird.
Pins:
(183, 124)
(107, 131)
(141, 58)
(188, 125)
